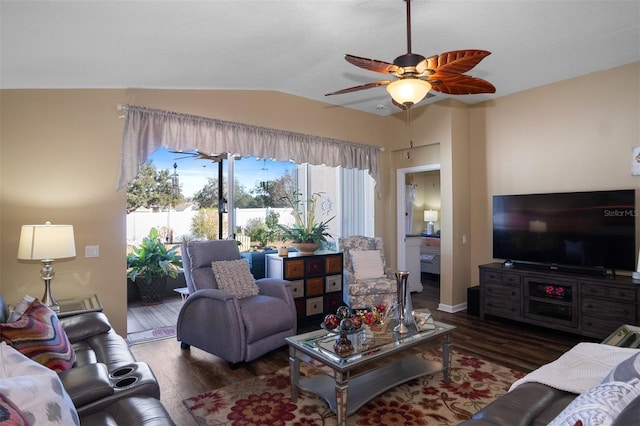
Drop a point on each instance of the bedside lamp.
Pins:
(430, 216)
(46, 243)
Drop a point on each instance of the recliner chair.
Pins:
(218, 322)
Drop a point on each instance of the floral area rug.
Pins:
(266, 400)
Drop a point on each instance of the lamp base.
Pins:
(48, 298)
(47, 274)
(635, 276)
(430, 228)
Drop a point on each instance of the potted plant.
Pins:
(306, 234)
(150, 264)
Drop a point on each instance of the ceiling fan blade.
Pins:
(198, 155)
(371, 64)
(215, 158)
(461, 85)
(455, 62)
(361, 87)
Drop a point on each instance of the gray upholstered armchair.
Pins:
(217, 321)
(374, 288)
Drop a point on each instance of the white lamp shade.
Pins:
(40, 242)
(430, 215)
(408, 91)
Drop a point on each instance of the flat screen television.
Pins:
(591, 231)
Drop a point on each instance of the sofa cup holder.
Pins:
(126, 382)
(123, 371)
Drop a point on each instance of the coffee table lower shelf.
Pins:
(365, 387)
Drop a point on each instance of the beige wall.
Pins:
(60, 153)
(59, 159)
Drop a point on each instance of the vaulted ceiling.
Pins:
(298, 46)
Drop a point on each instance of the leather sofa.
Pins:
(589, 381)
(535, 404)
(106, 384)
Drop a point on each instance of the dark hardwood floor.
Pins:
(183, 374)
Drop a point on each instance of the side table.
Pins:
(183, 292)
(316, 281)
(79, 305)
(626, 336)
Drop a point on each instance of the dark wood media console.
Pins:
(588, 305)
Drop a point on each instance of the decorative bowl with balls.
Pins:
(343, 321)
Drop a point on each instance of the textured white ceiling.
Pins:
(298, 46)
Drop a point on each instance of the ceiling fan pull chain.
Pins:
(409, 131)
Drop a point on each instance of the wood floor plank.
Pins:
(148, 317)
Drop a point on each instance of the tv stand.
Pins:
(589, 305)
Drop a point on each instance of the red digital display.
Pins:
(553, 290)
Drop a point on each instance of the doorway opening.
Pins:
(418, 248)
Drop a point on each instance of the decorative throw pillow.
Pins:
(22, 306)
(35, 390)
(367, 264)
(39, 335)
(599, 405)
(235, 277)
(10, 414)
(625, 371)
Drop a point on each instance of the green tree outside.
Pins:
(265, 232)
(207, 197)
(205, 224)
(151, 189)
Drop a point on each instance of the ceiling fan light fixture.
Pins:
(408, 91)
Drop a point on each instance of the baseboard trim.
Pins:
(452, 309)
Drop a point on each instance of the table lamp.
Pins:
(46, 243)
(430, 216)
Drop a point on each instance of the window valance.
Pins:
(146, 130)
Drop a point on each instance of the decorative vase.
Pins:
(343, 345)
(306, 249)
(403, 307)
(152, 293)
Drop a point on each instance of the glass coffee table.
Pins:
(379, 361)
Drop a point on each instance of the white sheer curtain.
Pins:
(145, 130)
(356, 202)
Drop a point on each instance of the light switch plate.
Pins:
(91, 251)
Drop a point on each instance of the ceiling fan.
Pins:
(417, 75)
(198, 155)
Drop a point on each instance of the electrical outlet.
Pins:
(91, 251)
